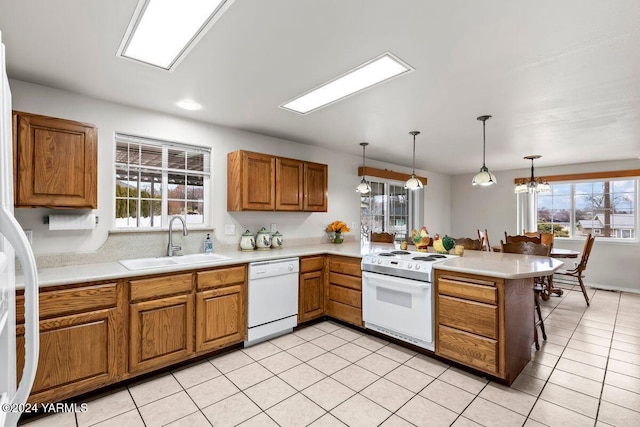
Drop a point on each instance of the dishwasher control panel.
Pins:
(272, 268)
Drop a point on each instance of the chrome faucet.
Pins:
(173, 248)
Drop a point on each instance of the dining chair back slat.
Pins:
(578, 271)
(470, 244)
(521, 238)
(382, 237)
(483, 236)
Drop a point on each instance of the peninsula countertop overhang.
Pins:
(502, 265)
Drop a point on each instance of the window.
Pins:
(388, 207)
(604, 208)
(158, 179)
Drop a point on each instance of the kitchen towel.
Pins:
(72, 222)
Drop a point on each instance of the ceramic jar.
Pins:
(277, 240)
(263, 240)
(247, 241)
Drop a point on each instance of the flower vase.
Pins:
(337, 238)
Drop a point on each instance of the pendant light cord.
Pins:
(484, 142)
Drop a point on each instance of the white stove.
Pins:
(407, 264)
(397, 296)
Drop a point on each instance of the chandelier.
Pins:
(533, 185)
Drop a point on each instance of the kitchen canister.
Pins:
(247, 241)
(263, 240)
(277, 240)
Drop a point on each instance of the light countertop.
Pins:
(508, 266)
(497, 264)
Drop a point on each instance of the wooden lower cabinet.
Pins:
(311, 288)
(221, 308)
(484, 322)
(343, 294)
(160, 321)
(80, 340)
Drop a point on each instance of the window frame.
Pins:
(414, 208)
(164, 171)
(596, 231)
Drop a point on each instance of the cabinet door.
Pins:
(220, 317)
(56, 164)
(289, 184)
(311, 296)
(161, 331)
(77, 354)
(250, 181)
(315, 187)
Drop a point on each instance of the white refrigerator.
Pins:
(13, 243)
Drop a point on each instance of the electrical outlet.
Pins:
(229, 229)
(355, 225)
(274, 228)
(29, 235)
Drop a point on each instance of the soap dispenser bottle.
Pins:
(208, 245)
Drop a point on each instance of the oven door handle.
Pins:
(395, 283)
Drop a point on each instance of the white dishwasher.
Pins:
(273, 299)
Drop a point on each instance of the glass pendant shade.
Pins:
(413, 183)
(363, 187)
(484, 177)
(534, 185)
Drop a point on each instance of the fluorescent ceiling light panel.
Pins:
(369, 74)
(162, 32)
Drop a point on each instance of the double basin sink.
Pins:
(167, 261)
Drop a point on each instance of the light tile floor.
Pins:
(586, 374)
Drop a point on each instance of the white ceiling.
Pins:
(561, 78)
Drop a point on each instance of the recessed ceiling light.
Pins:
(162, 32)
(371, 73)
(189, 104)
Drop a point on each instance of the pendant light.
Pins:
(413, 183)
(484, 177)
(363, 187)
(534, 185)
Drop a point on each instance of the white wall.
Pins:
(611, 265)
(111, 118)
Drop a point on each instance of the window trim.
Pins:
(165, 170)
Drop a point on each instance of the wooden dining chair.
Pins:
(382, 237)
(530, 248)
(483, 236)
(521, 238)
(470, 244)
(531, 233)
(577, 272)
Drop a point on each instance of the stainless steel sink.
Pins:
(146, 263)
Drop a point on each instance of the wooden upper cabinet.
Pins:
(261, 182)
(56, 162)
(250, 181)
(289, 184)
(315, 187)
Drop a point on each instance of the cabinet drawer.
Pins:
(350, 266)
(345, 281)
(161, 286)
(344, 312)
(71, 301)
(345, 296)
(221, 277)
(472, 350)
(311, 264)
(470, 316)
(472, 291)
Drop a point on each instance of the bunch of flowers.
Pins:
(338, 227)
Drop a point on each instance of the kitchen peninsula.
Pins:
(113, 308)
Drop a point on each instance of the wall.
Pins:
(611, 265)
(111, 118)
